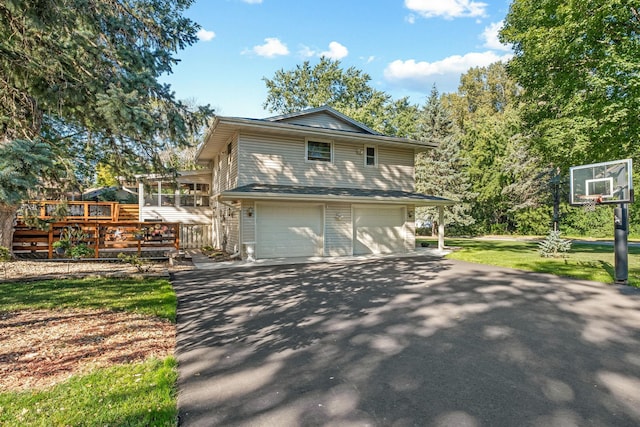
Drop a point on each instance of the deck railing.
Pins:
(102, 236)
(195, 236)
(82, 210)
(185, 200)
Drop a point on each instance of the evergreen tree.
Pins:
(443, 170)
(80, 77)
(508, 178)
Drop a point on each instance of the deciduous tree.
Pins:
(348, 91)
(507, 177)
(579, 63)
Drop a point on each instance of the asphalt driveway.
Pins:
(403, 342)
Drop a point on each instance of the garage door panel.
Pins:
(288, 231)
(378, 230)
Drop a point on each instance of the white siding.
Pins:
(232, 230)
(322, 120)
(248, 225)
(184, 215)
(225, 222)
(410, 229)
(282, 161)
(226, 228)
(338, 230)
(225, 168)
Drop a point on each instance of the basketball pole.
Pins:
(621, 229)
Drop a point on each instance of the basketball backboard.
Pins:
(602, 183)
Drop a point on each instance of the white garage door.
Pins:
(378, 230)
(288, 230)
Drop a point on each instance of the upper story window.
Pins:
(319, 151)
(370, 156)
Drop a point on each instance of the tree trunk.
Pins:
(7, 219)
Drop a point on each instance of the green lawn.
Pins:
(154, 297)
(136, 394)
(140, 394)
(584, 261)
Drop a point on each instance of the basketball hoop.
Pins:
(590, 202)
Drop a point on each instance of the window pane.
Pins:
(371, 156)
(320, 151)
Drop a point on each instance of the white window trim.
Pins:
(375, 156)
(306, 149)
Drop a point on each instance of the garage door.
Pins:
(288, 230)
(378, 230)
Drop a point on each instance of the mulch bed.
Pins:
(41, 348)
(19, 270)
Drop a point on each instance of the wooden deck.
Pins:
(106, 227)
(106, 238)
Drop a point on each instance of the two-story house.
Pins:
(314, 183)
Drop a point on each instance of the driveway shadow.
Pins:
(403, 342)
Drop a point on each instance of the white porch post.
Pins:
(440, 228)
(140, 200)
(159, 193)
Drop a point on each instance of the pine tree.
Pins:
(553, 246)
(443, 170)
(81, 78)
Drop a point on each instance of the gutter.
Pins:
(334, 198)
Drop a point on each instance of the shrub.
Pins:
(553, 246)
(80, 250)
(135, 261)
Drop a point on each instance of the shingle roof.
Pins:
(326, 109)
(324, 193)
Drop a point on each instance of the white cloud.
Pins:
(205, 35)
(420, 75)
(336, 51)
(411, 19)
(447, 9)
(490, 37)
(306, 52)
(252, 1)
(272, 47)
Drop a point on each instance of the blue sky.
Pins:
(404, 45)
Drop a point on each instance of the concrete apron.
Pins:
(202, 262)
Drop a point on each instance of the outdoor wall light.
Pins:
(249, 212)
(360, 151)
(339, 216)
(410, 214)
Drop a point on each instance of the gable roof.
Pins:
(302, 124)
(306, 118)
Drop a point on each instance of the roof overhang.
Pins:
(200, 176)
(224, 128)
(329, 194)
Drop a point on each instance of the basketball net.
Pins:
(590, 203)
